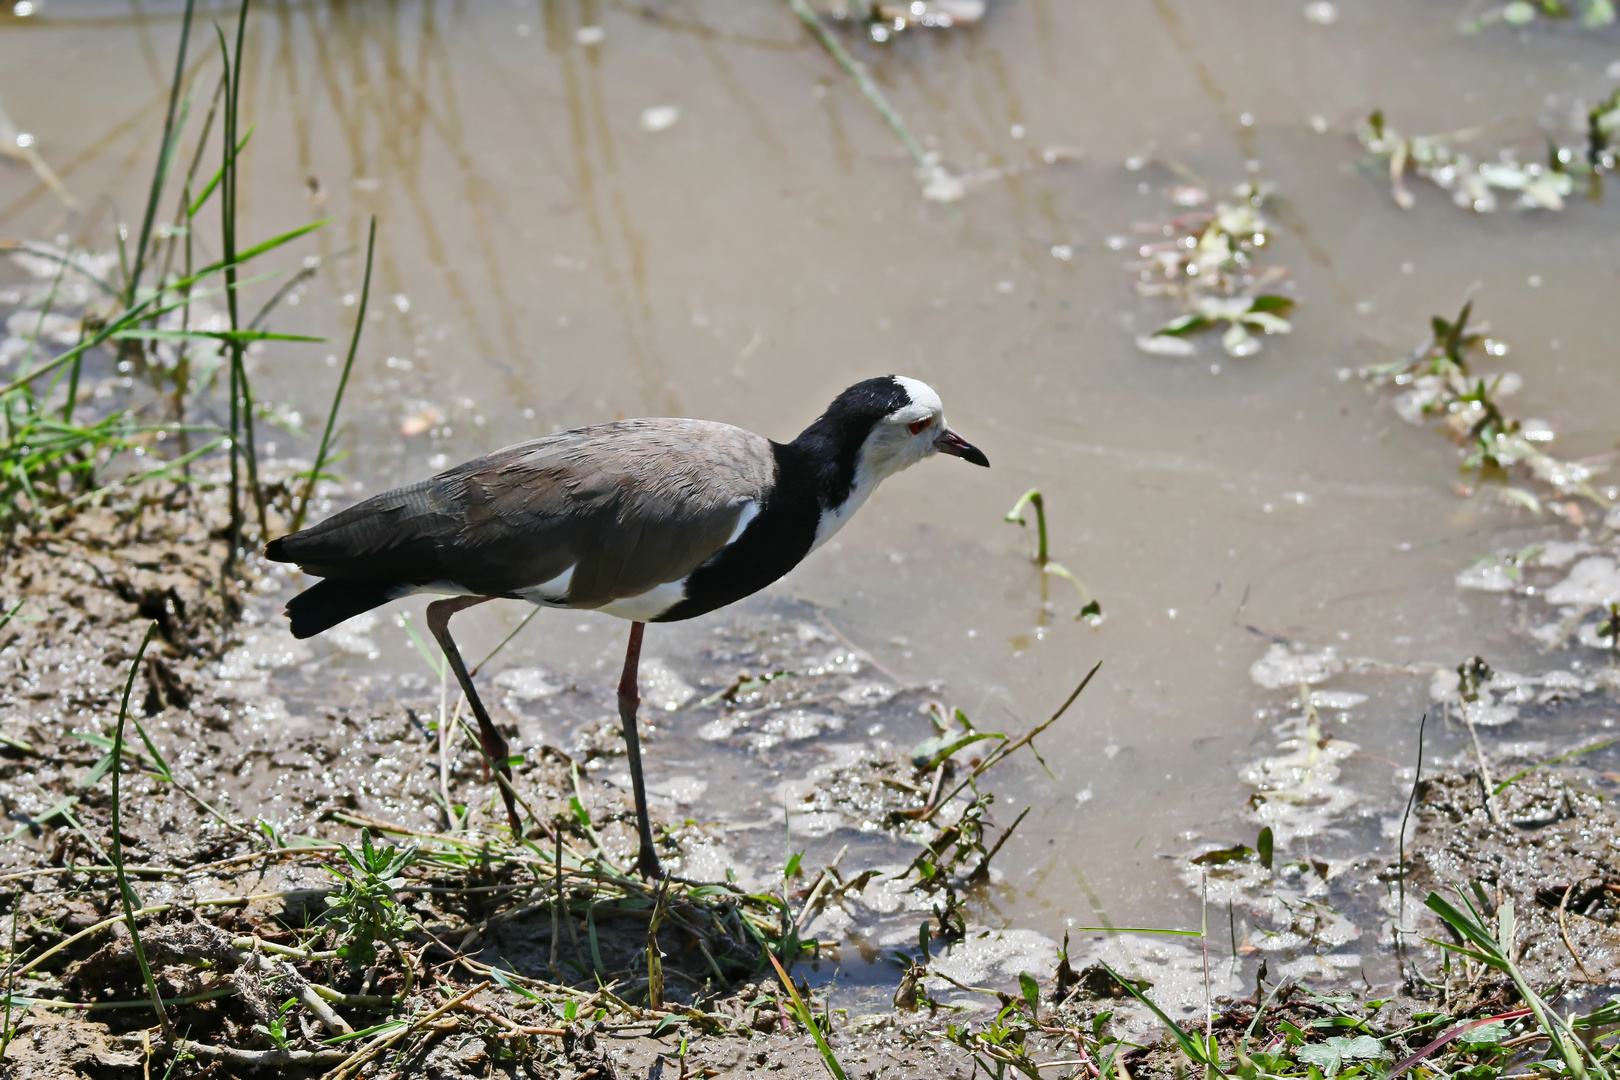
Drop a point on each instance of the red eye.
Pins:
(916, 426)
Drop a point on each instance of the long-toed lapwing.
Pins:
(648, 520)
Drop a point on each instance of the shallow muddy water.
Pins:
(552, 253)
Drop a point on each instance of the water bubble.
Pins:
(1535, 281)
(1134, 164)
(1063, 252)
(1247, 119)
(1322, 13)
(1117, 243)
(1017, 131)
(22, 9)
(590, 35)
(24, 140)
(659, 117)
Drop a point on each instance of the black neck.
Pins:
(830, 449)
(780, 535)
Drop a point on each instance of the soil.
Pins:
(253, 769)
(258, 763)
(1549, 844)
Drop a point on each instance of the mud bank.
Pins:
(251, 761)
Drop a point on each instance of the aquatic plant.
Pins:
(1480, 185)
(1091, 609)
(1209, 261)
(1593, 14)
(1440, 382)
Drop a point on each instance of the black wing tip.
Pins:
(276, 550)
(302, 628)
(329, 602)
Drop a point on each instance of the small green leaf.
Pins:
(1032, 993)
(1263, 847)
(1221, 856)
(929, 753)
(1519, 13)
(1186, 324)
(1277, 305)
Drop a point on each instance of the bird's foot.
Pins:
(647, 864)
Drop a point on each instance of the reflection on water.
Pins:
(550, 259)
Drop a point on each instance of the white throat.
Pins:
(833, 518)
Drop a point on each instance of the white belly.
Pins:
(649, 605)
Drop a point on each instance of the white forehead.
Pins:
(924, 402)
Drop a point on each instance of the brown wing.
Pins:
(626, 506)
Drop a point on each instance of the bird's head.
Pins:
(880, 426)
(912, 429)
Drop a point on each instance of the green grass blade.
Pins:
(160, 175)
(216, 335)
(219, 174)
(125, 893)
(807, 1018)
(1522, 773)
(343, 382)
(1193, 1048)
(1468, 927)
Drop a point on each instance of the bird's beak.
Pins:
(949, 442)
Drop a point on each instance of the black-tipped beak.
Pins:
(949, 442)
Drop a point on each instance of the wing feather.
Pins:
(627, 506)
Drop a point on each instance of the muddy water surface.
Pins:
(598, 210)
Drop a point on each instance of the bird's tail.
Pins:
(329, 602)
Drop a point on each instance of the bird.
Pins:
(648, 520)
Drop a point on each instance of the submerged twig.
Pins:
(938, 184)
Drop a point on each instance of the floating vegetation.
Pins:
(1593, 14)
(1440, 383)
(1208, 260)
(1481, 185)
(884, 20)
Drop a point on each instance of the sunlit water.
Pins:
(552, 253)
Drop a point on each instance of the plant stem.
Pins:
(343, 382)
(863, 81)
(165, 156)
(125, 893)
